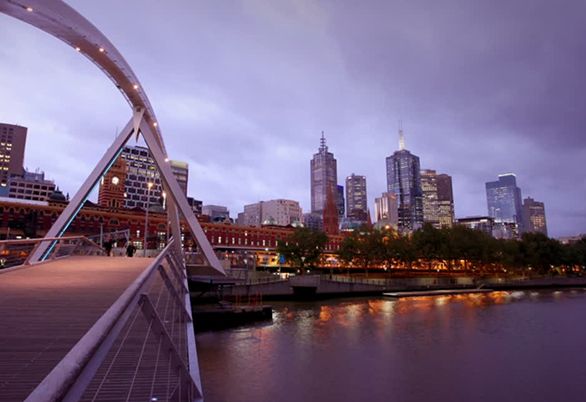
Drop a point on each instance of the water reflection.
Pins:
(455, 347)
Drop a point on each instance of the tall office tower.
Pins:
(403, 179)
(324, 176)
(534, 216)
(386, 210)
(356, 201)
(430, 203)
(181, 172)
(340, 201)
(112, 186)
(504, 201)
(12, 143)
(275, 212)
(445, 200)
(141, 171)
(330, 214)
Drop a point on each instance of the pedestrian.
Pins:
(130, 249)
(108, 247)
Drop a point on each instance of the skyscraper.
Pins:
(430, 203)
(324, 176)
(403, 179)
(504, 200)
(356, 201)
(445, 200)
(12, 143)
(534, 216)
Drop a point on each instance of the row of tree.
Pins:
(456, 248)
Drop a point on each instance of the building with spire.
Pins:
(404, 179)
(324, 176)
(330, 214)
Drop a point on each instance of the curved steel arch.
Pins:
(57, 18)
(60, 20)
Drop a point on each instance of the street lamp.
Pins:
(146, 217)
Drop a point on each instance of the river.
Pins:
(499, 346)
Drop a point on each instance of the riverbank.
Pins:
(335, 286)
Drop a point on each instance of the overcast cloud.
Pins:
(242, 91)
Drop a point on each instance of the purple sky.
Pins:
(242, 91)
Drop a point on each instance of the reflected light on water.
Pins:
(380, 349)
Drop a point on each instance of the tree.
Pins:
(303, 247)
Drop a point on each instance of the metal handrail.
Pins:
(70, 377)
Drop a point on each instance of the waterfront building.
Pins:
(216, 213)
(534, 216)
(180, 170)
(356, 200)
(31, 186)
(429, 192)
(504, 200)
(340, 204)
(445, 200)
(403, 179)
(112, 192)
(324, 176)
(12, 144)
(92, 220)
(386, 210)
(278, 212)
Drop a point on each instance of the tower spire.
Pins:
(322, 143)
(401, 136)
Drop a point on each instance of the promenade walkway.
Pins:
(45, 310)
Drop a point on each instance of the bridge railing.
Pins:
(17, 252)
(142, 348)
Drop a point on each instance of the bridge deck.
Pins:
(46, 309)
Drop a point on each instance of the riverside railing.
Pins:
(17, 252)
(141, 349)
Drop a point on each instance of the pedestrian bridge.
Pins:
(84, 326)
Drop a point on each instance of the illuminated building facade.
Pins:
(403, 179)
(386, 211)
(534, 216)
(504, 200)
(112, 186)
(12, 144)
(324, 176)
(356, 200)
(429, 192)
(31, 186)
(445, 200)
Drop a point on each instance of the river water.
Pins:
(500, 346)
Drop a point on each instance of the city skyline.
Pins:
(527, 120)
